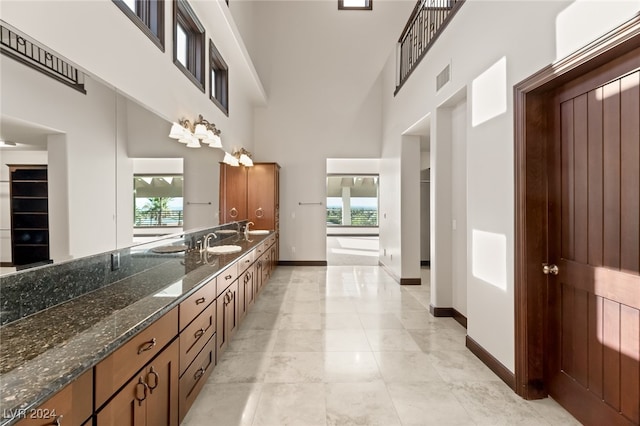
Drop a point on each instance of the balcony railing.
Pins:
(158, 218)
(359, 216)
(426, 23)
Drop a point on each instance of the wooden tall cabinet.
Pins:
(251, 193)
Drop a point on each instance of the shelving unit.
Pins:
(29, 214)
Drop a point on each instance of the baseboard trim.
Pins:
(490, 361)
(449, 312)
(425, 263)
(302, 262)
(6, 264)
(353, 235)
(401, 281)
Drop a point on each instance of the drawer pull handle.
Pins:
(231, 295)
(141, 391)
(228, 277)
(201, 300)
(198, 334)
(152, 376)
(56, 422)
(147, 346)
(199, 374)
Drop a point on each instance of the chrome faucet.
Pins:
(207, 240)
(246, 229)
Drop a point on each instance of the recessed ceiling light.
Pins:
(7, 143)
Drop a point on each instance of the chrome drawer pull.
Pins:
(199, 374)
(56, 422)
(198, 334)
(228, 277)
(147, 346)
(201, 300)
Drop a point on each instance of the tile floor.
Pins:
(346, 345)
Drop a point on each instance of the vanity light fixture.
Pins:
(244, 157)
(230, 160)
(193, 134)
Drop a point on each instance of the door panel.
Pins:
(594, 226)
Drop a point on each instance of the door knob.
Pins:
(550, 269)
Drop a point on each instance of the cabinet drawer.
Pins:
(272, 240)
(244, 262)
(117, 368)
(72, 405)
(197, 302)
(195, 336)
(260, 249)
(196, 376)
(227, 276)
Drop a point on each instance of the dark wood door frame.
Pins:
(533, 132)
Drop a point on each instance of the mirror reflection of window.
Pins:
(158, 201)
(352, 200)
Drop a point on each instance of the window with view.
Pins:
(355, 4)
(148, 15)
(188, 43)
(158, 201)
(219, 84)
(352, 200)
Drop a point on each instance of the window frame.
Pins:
(196, 36)
(143, 21)
(369, 6)
(218, 64)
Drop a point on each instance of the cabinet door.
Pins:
(261, 195)
(150, 398)
(233, 309)
(233, 193)
(161, 376)
(259, 266)
(246, 291)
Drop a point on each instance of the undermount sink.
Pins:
(225, 249)
(258, 231)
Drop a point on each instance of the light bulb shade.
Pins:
(245, 160)
(186, 138)
(215, 141)
(193, 142)
(230, 160)
(177, 131)
(200, 131)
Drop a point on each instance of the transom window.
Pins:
(148, 15)
(188, 43)
(219, 84)
(355, 4)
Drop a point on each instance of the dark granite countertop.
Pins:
(42, 353)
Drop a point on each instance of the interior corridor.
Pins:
(346, 345)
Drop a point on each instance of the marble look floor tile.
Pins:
(494, 403)
(256, 320)
(298, 404)
(429, 403)
(417, 320)
(297, 307)
(377, 321)
(345, 341)
(438, 339)
(248, 340)
(227, 403)
(552, 412)
(349, 367)
(406, 367)
(300, 322)
(360, 404)
(341, 321)
(241, 367)
(391, 340)
(295, 367)
(299, 341)
(460, 366)
(337, 305)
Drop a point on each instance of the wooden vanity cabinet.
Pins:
(150, 397)
(247, 290)
(233, 193)
(195, 377)
(72, 405)
(227, 317)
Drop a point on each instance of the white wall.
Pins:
(459, 207)
(484, 35)
(320, 68)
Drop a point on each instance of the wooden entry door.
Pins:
(593, 366)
